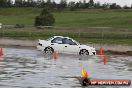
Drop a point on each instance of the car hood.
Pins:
(43, 41)
(86, 47)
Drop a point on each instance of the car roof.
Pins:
(57, 36)
(62, 37)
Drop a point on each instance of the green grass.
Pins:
(86, 18)
(99, 19)
(80, 25)
(94, 36)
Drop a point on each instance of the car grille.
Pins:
(94, 53)
(39, 44)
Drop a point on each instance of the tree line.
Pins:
(82, 4)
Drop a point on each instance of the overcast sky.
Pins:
(120, 2)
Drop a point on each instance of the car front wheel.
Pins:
(48, 50)
(84, 52)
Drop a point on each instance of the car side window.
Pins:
(68, 41)
(57, 40)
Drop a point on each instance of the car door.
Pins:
(57, 44)
(70, 46)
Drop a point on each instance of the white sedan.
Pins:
(62, 44)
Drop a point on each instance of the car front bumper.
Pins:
(92, 53)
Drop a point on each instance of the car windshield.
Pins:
(76, 42)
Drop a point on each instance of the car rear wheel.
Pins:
(84, 52)
(49, 50)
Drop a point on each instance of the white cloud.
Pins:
(120, 2)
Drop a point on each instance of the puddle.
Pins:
(29, 68)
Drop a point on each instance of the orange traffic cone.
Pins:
(101, 51)
(1, 51)
(55, 55)
(86, 74)
(105, 59)
(1, 59)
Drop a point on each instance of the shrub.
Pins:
(45, 18)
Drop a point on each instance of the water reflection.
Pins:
(28, 68)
